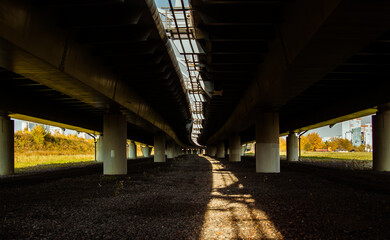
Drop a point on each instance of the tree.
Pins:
(282, 144)
(345, 144)
(339, 144)
(362, 148)
(39, 134)
(313, 142)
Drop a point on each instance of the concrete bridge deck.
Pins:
(196, 197)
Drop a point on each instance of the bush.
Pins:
(40, 140)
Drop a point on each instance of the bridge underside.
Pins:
(314, 63)
(72, 61)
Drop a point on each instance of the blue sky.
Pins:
(165, 3)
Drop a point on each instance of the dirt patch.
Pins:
(196, 198)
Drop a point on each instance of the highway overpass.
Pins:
(269, 68)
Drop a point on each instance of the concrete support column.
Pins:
(146, 151)
(235, 148)
(114, 147)
(213, 151)
(243, 148)
(179, 151)
(132, 150)
(170, 149)
(7, 162)
(99, 149)
(381, 139)
(267, 142)
(221, 150)
(292, 147)
(159, 148)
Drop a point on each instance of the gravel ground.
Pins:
(195, 197)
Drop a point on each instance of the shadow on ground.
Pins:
(154, 201)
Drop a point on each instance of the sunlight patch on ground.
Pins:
(231, 213)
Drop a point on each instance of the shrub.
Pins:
(40, 140)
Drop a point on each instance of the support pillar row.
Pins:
(267, 142)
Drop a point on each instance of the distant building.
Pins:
(28, 125)
(54, 130)
(356, 133)
(367, 132)
(347, 126)
(357, 137)
(84, 135)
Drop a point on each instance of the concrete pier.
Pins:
(146, 150)
(292, 147)
(221, 150)
(267, 142)
(213, 151)
(99, 149)
(170, 149)
(7, 165)
(235, 148)
(114, 147)
(132, 150)
(381, 139)
(159, 148)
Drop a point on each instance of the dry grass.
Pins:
(329, 155)
(335, 155)
(26, 162)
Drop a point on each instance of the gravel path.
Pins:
(193, 198)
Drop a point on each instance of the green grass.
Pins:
(24, 162)
(335, 155)
(331, 155)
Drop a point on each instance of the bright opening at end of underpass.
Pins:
(177, 20)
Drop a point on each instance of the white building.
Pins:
(53, 130)
(354, 131)
(367, 130)
(347, 126)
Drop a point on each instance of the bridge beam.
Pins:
(221, 150)
(7, 162)
(235, 148)
(292, 147)
(159, 148)
(381, 139)
(114, 147)
(267, 142)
